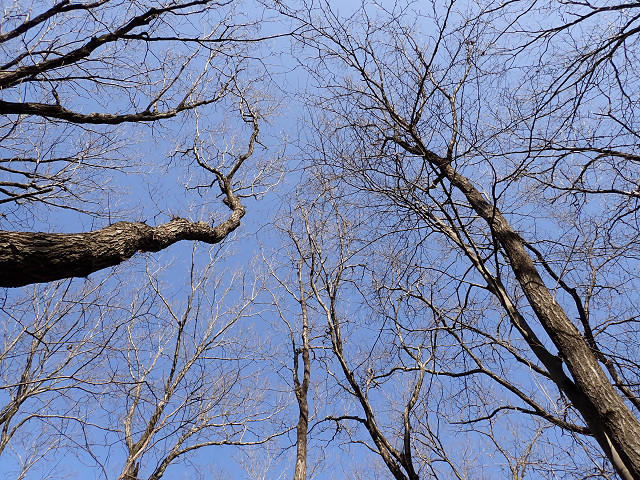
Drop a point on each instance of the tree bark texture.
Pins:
(611, 422)
(302, 389)
(34, 257)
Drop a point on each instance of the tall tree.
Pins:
(300, 349)
(502, 161)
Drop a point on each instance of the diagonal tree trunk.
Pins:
(611, 422)
(28, 257)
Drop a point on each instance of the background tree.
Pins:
(50, 348)
(497, 183)
(299, 333)
(131, 389)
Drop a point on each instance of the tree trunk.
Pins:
(613, 425)
(301, 390)
(28, 257)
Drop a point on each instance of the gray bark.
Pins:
(611, 422)
(34, 257)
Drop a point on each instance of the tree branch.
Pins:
(59, 112)
(27, 257)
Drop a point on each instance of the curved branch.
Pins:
(59, 112)
(27, 257)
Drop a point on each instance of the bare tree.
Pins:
(54, 339)
(460, 151)
(313, 270)
(70, 74)
(290, 300)
(399, 461)
(132, 389)
(192, 388)
(302, 350)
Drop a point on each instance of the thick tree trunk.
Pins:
(33, 257)
(612, 423)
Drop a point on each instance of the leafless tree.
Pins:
(193, 387)
(301, 375)
(77, 78)
(133, 389)
(322, 265)
(290, 300)
(54, 339)
(498, 190)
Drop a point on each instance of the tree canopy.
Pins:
(412, 239)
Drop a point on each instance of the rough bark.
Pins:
(34, 257)
(613, 425)
(301, 390)
(59, 112)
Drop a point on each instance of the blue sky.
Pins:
(154, 184)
